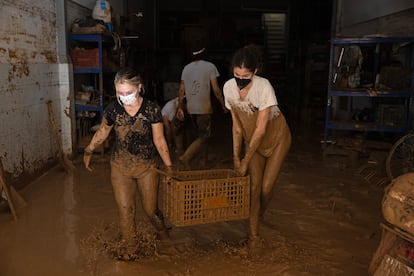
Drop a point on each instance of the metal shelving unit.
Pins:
(97, 42)
(374, 47)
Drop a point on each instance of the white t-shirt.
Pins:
(197, 76)
(260, 96)
(170, 108)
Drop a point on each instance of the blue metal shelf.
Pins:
(92, 70)
(369, 40)
(334, 92)
(80, 107)
(78, 70)
(99, 41)
(371, 93)
(361, 126)
(104, 37)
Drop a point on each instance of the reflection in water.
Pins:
(70, 219)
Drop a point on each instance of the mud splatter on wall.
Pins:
(29, 77)
(28, 27)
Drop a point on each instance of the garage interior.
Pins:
(156, 37)
(325, 218)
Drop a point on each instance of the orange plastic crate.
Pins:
(87, 58)
(205, 196)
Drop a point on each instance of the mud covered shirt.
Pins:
(261, 95)
(133, 134)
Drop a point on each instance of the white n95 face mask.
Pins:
(129, 99)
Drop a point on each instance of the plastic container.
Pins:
(205, 196)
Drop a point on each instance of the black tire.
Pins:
(400, 159)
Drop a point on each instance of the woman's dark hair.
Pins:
(247, 57)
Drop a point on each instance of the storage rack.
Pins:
(334, 92)
(98, 41)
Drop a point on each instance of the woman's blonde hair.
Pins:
(129, 76)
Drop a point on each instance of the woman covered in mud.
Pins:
(258, 121)
(139, 138)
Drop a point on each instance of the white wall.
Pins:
(29, 76)
(33, 70)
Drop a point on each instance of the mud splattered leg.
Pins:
(195, 148)
(256, 175)
(271, 171)
(148, 187)
(202, 124)
(125, 190)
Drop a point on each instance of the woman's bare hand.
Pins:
(87, 156)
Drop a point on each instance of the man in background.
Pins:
(174, 127)
(197, 79)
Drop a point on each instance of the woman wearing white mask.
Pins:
(139, 142)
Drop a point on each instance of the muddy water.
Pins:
(61, 208)
(44, 237)
(323, 220)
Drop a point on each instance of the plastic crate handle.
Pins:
(168, 174)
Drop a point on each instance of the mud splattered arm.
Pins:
(237, 140)
(161, 144)
(98, 138)
(256, 139)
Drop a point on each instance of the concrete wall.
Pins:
(396, 24)
(33, 70)
(356, 11)
(374, 18)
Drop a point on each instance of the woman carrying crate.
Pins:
(258, 121)
(139, 138)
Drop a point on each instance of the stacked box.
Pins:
(87, 58)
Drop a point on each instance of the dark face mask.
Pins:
(242, 83)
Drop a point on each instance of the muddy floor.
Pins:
(323, 220)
